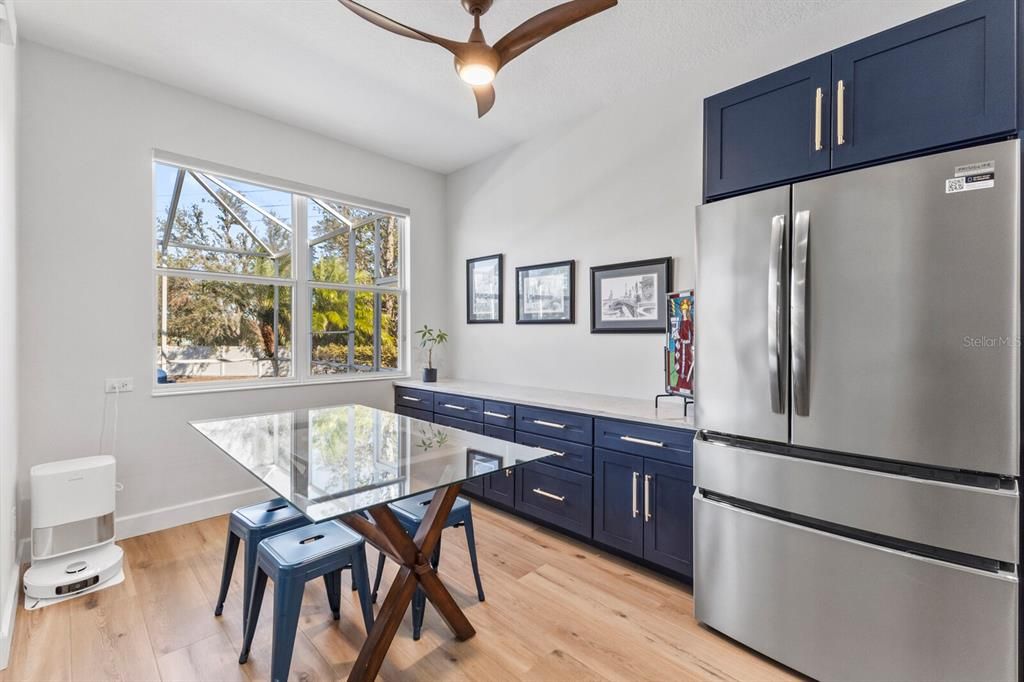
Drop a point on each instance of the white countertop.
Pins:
(630, 409)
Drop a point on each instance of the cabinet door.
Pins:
(668, 515)
(617, 500)
(768, 131)
(500, 488)
(945, 78)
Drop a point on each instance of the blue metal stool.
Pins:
(410, 513)
(253, 524)
(292, 559)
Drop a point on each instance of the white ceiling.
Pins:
(314, 64)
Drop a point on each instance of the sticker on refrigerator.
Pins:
(974, 169)
(966, 183)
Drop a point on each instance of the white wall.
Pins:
(85, 258)
(8, 344)
(617, 186)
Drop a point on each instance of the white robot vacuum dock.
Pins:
(73, 550)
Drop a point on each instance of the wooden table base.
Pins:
(412, 555)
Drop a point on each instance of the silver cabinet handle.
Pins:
(840, 123)
(554, 425)
(817, 120)
(642, 441)
(798, 330)
(636, 510)
(411, 399)
(508, 472)
(499, 415)
(556, 453)
(545, 493)
(460, 408)
(775, 296)
(647, 497)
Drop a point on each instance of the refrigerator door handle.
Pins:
(775, 331)
(798, 330)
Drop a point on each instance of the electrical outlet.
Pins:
(123, 385)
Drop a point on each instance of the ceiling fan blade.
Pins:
(484, 99)
(453, 46)
(545, 24)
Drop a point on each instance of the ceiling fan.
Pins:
(476, 62)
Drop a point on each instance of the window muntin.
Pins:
(229, 279)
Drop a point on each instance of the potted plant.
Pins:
(429, 338)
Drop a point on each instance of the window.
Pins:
(237, 302)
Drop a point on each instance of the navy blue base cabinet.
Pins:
(643, 504)
(623, 485)
(944, 80)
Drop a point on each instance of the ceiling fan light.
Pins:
(476, 74)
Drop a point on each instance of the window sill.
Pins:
(174, 390)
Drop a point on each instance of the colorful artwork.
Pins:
(679, 348)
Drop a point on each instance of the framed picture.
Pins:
(485, 298)
(679, 344)
(629, 297)
(546, 294)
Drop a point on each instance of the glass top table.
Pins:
(347, 462)
(332, 461)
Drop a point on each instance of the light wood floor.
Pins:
(556, 610)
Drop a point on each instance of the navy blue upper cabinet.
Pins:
(945, 79)
(772, 129)
(942, 79)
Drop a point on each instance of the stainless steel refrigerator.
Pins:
(857, 339)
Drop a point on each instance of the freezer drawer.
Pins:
(959, 518)
(839, 609)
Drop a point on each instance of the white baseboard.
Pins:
(8, 608)
(168, 517)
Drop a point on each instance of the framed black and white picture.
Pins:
(628, 298)
(546, 294)
(484, 294)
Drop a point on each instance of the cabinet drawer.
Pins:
(498, 432)
(414, 413)
(464, 424)
(572, 455)
(670, 445)
(555, 495)
(459, 406)
(415, 398)
(562, 425)
(500, 414)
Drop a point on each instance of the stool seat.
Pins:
(268, 513)
(309, 548)
(415, 508)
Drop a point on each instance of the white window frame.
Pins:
(300, 281)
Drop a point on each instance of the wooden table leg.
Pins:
(386, 534)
